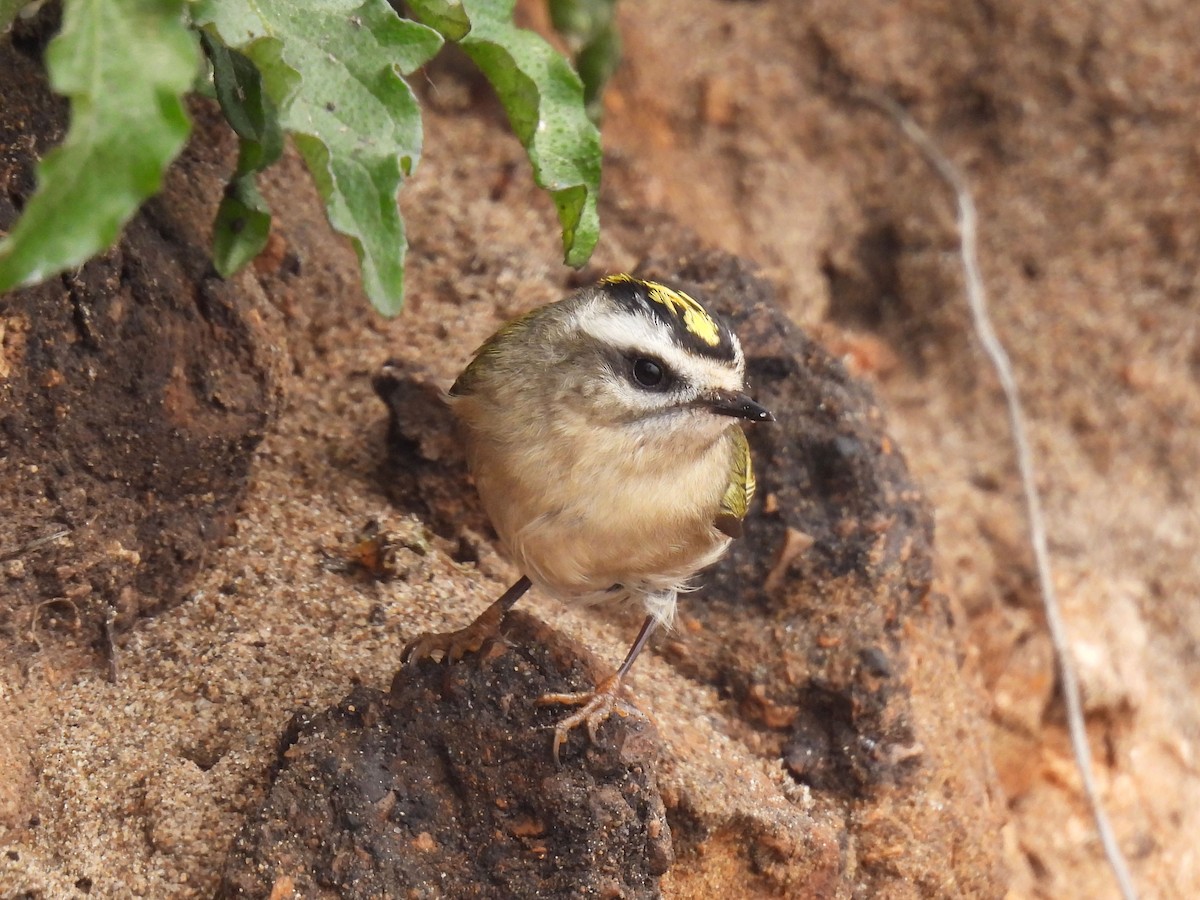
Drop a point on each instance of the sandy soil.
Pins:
(1076, 127)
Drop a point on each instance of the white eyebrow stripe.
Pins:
(639, 334)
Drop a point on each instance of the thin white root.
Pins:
(976, 299)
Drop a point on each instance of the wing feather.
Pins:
(740, 490)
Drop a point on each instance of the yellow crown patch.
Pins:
(695, 317)
(680, 306)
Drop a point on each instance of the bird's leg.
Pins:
(454, 645)
(597, 705)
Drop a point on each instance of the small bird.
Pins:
(602, 431)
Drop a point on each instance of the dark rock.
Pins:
(425, 470)
(806, 610)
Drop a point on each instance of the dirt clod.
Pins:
(135, 390)
(445, 786)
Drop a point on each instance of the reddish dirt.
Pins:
(808, 746)
(136, 390)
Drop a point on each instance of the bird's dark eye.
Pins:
(649, 373)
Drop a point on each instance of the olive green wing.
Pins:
(466, 382)
(740, 490)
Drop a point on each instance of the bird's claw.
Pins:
(453, 645)
(596, 708)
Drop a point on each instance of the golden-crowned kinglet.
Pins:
(602, 433)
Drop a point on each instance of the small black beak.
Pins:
(730, 403)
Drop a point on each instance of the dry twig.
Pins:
(15, 552)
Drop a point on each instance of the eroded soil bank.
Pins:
(851, 707)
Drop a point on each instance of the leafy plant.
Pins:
(590, 29)
(329, 73)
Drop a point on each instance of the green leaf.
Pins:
(591, 32)
(543, 98)
(449, 19)
(243, 221)
(8, 12)
(125, 65)
(332, 68)
(242, 227)
(249, 111)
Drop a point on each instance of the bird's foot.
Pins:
(454, 645)
(596, 707)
